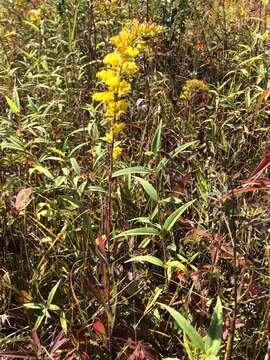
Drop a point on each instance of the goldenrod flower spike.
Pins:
(129, 43)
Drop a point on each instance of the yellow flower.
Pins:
(117, 152)
(116, 109)
(123, 39)
(150, 29)
(117, 128)
(108, 137)
(191, 85)
(129, 68)
(131, 52)
(118, 86)
(105, 74)
(142, 45)
(105, 96)
(34, 15)
(124, 87)
(114, 59)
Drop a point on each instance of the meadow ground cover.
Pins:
(134, 186)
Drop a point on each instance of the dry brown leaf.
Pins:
(23, 199)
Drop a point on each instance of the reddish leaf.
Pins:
(240, 190)
(264, 95)
(35, 340)
(261, 167)
(254, 290)
(263, 181)
(101, 243)
(100, 330)
(214, 254)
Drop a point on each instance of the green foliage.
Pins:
(176, 219)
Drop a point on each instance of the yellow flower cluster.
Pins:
(34, 15)
(191, 85)
(120, 66)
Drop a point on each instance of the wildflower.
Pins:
(118, 127)
(105, 96)
(191, 85)
(114, 59)
(34, 15)
(131, 52)
(149, 29)
(105, 74)
(142, 45)
(116, 109)
(200, 46)
(129, 68)
(108, 137)
(117, 152)
(120, 65)
(117, 86)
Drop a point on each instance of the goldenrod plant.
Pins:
(134, 179)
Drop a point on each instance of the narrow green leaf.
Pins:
(138, 231)
(54, 307)
(39, 321)
(16, 98)
(131, 170)
(148, 188)
(73, 202)
(178, 265)
(147, 258)
(43, 170)
(153, 299)
(75, 166)
(156, 143)
(13, 107)
(163, 162)
(13, 144)
(171, 220)
(195, 339)
(52, 293)
(96, 189)
(63, 322)
(32, 306)
(213, 339)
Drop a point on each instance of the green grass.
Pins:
(183, 232)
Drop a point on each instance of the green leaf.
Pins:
(138, 231)
(177, 264)
(14, 144)
(174, 153)
(39, 321)
(73, 202)
(153, 299)
(54, 307)
(75, 166)
(213, 339)
(156, 143)
(16, 98)
(131, 170)
(63, 322)
(44, 171)
(13, 107)
(148, 188)
(32, 306)
(148, 258)
(52, 293)
(195, 339)
(171, 220)
(96, 189)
